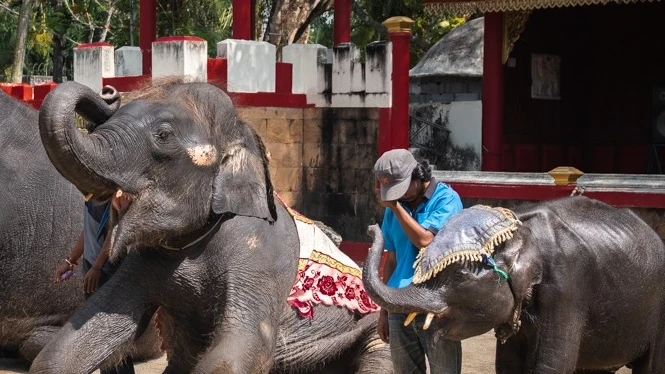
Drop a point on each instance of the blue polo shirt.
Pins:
(95, 217)
(439, 204)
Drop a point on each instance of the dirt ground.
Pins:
(477, 358)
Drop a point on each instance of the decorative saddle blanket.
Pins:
(325, 274)
(470, 235)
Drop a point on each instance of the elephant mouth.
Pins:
(115, 251)
(441, 320)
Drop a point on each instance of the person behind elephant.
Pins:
(417, 206)
(93, 244)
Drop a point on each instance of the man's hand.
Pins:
(120, 203)
(64, 267)
(382, 327)
(386, 204)
(91, 280)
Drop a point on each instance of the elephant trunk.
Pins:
(398, 300)
(82, 159)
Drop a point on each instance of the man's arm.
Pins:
(418, 235)
(70, 261)
(104, 254)
(389, 265)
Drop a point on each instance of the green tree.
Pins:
(288, 21)
(367, 24)
(21, 40)
(8, 28)
(207, 19)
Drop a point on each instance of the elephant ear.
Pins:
(242, 183)
(520, 257)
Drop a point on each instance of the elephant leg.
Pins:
(653, 362)
(244, 341)
(184, 347)
(105, 326)
(510, 356)
(241, 350)
(374, 359)
(555, 347)
(38, 338)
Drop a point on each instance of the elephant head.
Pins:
(178, 150)
(475, 275)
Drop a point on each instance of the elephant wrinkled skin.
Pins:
(588, 277)
(40, 219)
(203, 239)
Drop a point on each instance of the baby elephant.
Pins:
(568, 285)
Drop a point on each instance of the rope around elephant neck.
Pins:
(219, 220)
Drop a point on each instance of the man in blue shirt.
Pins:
(93, 245)
(417, 206)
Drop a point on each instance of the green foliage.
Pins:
(83, 21)
(207, 19)
(322, 29)
(367, 18)
(8, 25)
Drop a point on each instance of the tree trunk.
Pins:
(290, 19)
(58, 58)
(22, 36)
(58, 42)
(107, 22)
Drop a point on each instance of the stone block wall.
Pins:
(321, 162)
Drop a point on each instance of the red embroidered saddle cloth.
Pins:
(325, 274)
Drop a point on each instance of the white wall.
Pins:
(464, 121)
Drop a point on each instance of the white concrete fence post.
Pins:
(305, 59)
(128, 61)
(182, 56)
(92, 63)
(378, 74)
(250, 65)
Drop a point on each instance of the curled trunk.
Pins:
(398, 300)
(83, 159)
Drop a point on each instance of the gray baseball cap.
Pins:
(393, 171)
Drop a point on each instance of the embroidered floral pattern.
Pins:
(321, 284)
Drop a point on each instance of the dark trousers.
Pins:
(127, 365)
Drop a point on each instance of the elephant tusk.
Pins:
(410, 318)
(118, 193)
(87, 197)
(428, 320)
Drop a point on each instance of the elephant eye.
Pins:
(164, 131)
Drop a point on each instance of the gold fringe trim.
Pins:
(299, 216)
(470, 254)
(514, 24)
(465, 7)
(419, 277)
(327, 260)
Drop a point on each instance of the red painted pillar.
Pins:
(147, 32)
(243, 19)
(384, 142)
(342, 22)
(492, 134)
(399, 31)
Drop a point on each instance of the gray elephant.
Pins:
(203, 239)
(568, 285)
(40, 219)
